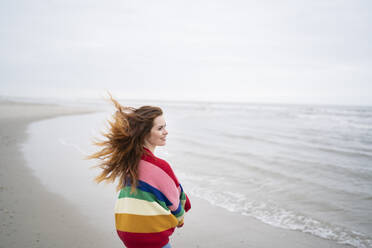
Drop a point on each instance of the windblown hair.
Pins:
(123, 148)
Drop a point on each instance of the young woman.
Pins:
(151, 201)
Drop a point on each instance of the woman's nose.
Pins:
(165, 131)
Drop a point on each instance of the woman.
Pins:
(151, 201)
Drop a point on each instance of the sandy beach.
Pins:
(32, 216)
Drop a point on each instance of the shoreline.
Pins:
(32, 216)
(212, 226)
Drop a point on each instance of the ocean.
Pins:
(300, 167)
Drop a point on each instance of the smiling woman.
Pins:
(151, 201)
(157, 135)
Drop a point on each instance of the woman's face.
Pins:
(158, 133)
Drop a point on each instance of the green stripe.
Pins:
(183, 203)
(140, 194)
(183, 196)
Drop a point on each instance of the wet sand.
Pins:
(31, 216)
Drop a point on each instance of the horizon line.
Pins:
(221, 101)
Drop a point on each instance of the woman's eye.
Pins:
(160, 128)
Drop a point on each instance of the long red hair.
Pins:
(122, 149)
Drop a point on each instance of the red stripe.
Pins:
(145, 240)
(187, 204)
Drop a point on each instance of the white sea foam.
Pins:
(75, 146)
(270, 213)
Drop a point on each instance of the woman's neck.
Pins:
(150, 147)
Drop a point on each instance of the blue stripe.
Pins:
(158, 194)
(178, 210)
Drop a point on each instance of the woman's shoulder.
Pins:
(162, 164)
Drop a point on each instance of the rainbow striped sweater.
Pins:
(147, 217)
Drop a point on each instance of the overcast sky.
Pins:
(296, 51)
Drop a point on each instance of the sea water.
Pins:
(299, 167)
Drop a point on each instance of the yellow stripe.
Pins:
(139, 207)
(144, 224)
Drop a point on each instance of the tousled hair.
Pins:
(122, 149)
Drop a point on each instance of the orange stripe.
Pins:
(144, 224)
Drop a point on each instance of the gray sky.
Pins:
(293, 51)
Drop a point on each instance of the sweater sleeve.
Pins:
(185, 200)
(160, 175)
(178, 209)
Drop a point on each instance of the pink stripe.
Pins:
(159, 179)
